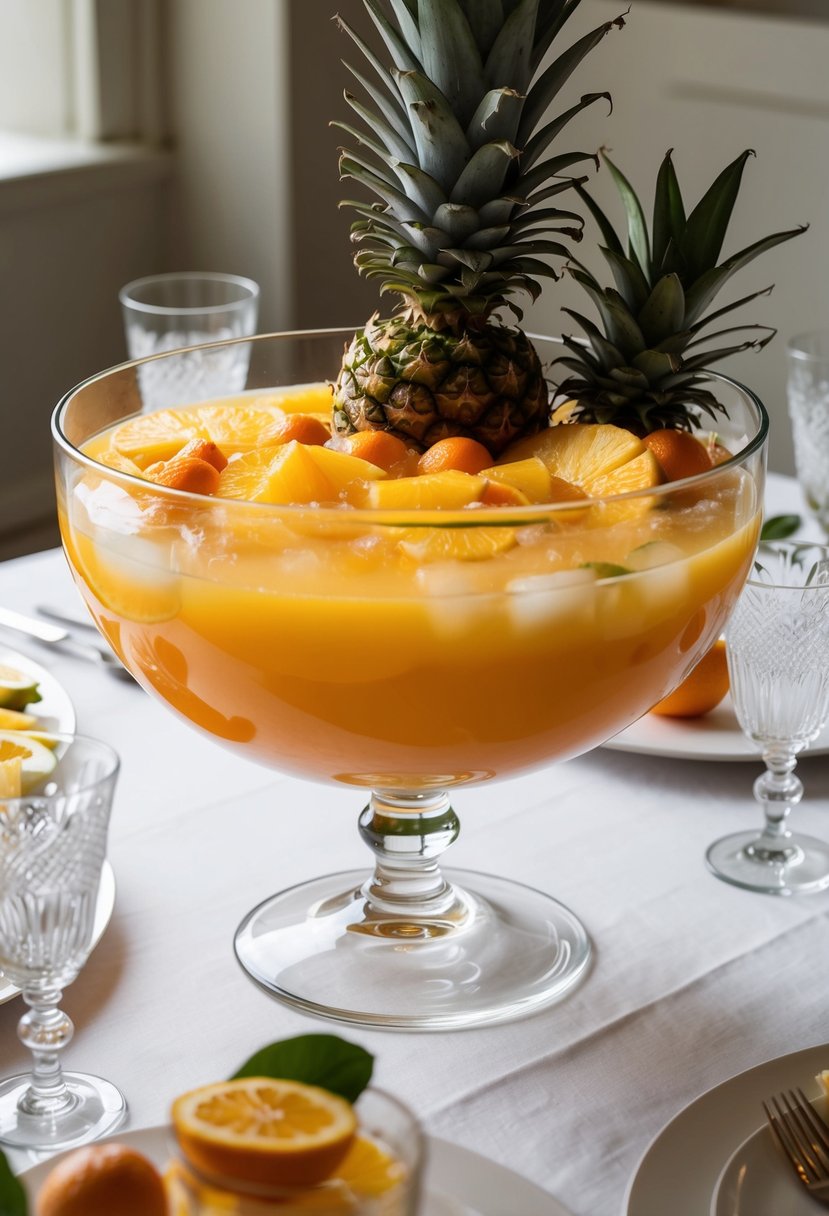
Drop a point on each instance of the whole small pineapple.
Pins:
(454, 149)
(642, 368)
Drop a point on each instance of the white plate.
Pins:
(458, 1182)
(681, 1169)
(56, 712)
(757, 1179)
(716, 736)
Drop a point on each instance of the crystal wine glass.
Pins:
(52, 848)
(404, 652)
(778, 660)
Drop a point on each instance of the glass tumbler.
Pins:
(186, 309)
(808, 396)
(380, 1176)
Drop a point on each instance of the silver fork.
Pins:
(804, 1138)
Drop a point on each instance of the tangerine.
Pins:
(102, 1180)
(457, 452)
(702, 690)
(305, 428)
(383, 449)
(678, 453)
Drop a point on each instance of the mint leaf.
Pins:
(315, 1059)
(778, 527)
(605, 569)
(12, 1195)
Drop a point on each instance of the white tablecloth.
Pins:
(693, 980)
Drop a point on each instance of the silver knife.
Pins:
(62, 639)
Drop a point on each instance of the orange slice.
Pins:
(455, 544)
(234, 426)
(257, 1129)
(15, 719)
(369, 1170)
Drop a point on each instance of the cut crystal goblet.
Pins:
(52, 848)
(778, 661)
(408, 653)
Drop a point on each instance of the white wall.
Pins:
(229, 116)
(67, 243)
(709, 85)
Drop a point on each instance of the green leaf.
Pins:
(401, 56)
(12, 1195)
(496, 117)
(408, 25)
(388, 105)
(485, 19)
(631, 284)
(553, 78)
(637, 228)
(707, 223)
(509, 60)
(707, 285)
(664, 311)
(779, 527)
(605, 227)
(668, 211)
(442, 147)
(325, 1060)
(484, 175)
(451, 57)
(542, 139)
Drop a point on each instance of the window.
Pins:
(87, 69)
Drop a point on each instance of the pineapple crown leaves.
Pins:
(645, 365)
(453, 142)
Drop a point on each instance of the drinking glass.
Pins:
(808, 396)
(777, 642)
(52, 848)
(166, 312)
(384, 1122)
(408, 654)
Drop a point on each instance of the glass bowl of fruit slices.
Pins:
(352, 600)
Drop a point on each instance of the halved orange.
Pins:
(257, 1129)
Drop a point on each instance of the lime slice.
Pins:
(36, 761)
(17, 690)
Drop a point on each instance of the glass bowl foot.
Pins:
(798, 867)
(95, 1108)
(502, 950)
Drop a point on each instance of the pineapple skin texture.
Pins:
(424, 385)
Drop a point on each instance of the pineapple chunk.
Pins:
(530, 476)
(580, 453)
(447, 491)
(342, 469)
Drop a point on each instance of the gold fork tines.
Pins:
(804, 1138)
